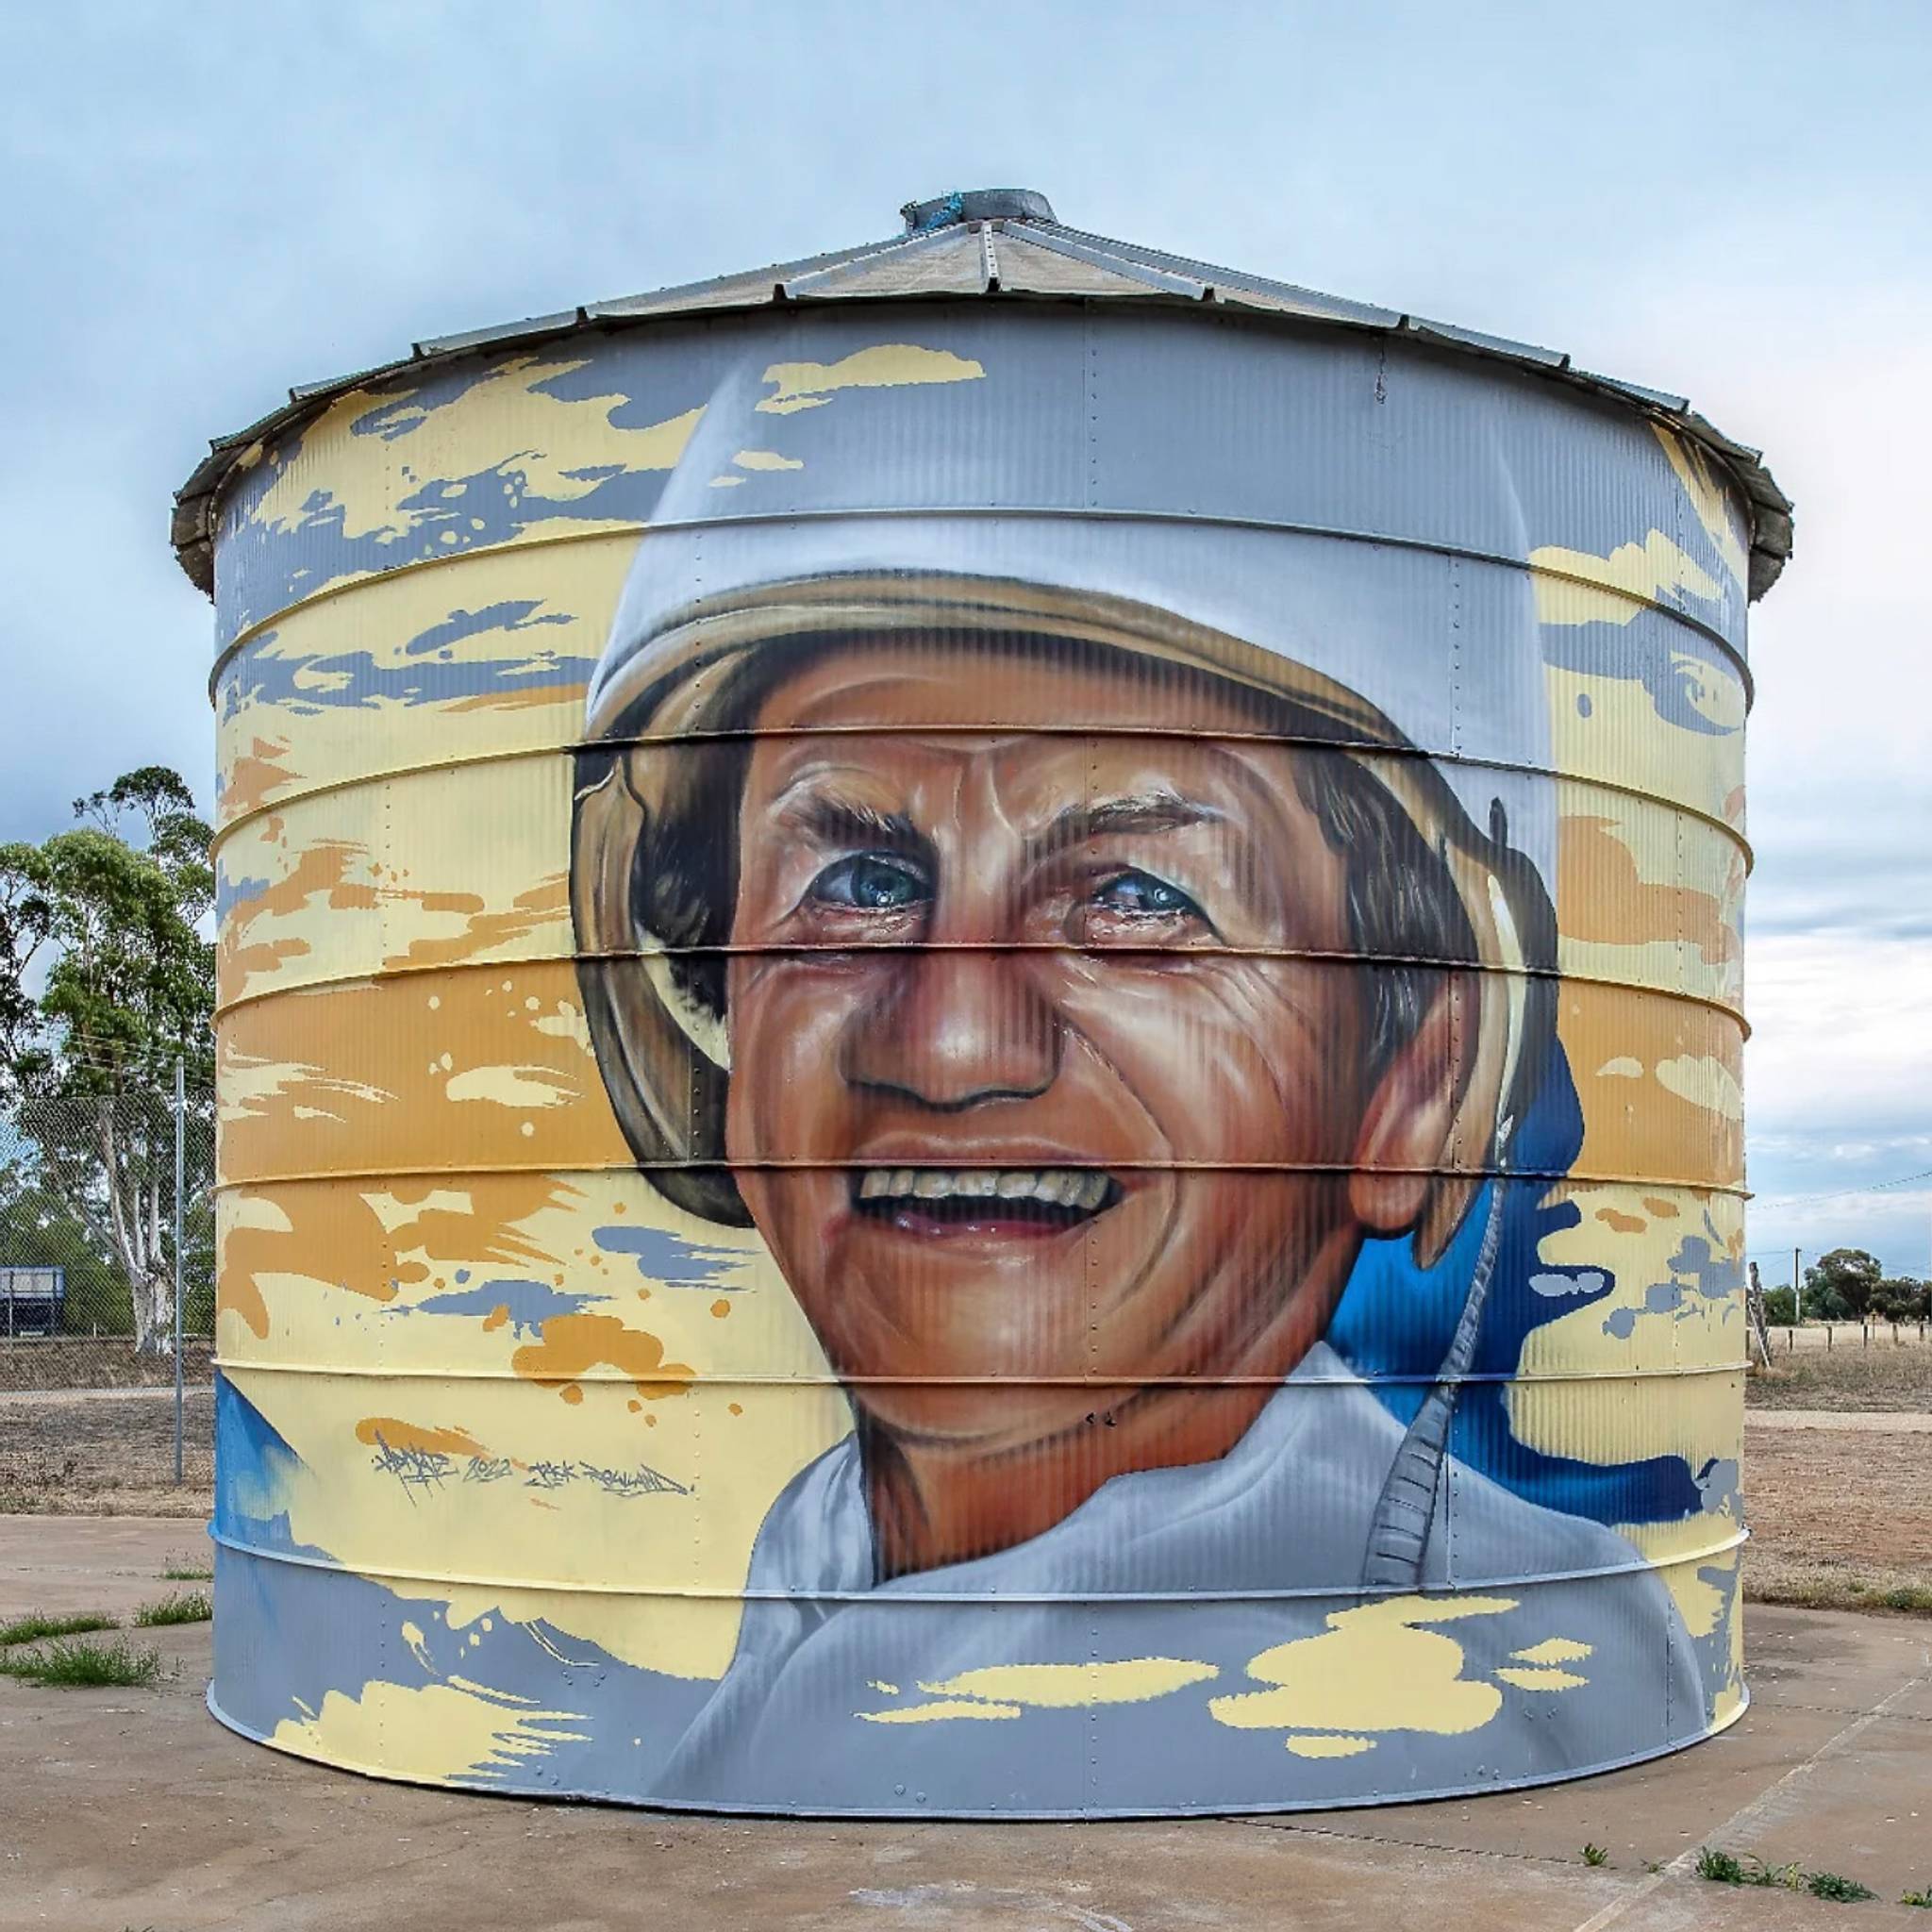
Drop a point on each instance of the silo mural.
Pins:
(979, 1039)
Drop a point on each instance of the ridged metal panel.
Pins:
(1089, 267)
(1300, 777)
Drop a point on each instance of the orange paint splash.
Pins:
(336, 1236)
(570, 1344)
(1601, 896)
(254, 776)
(388, 1431)
(544, 903)
(1622, 1223)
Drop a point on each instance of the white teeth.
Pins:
(1059, 1186)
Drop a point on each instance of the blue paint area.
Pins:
(353, 681)
(408, 406)
(1670, 662)
(263, 569)
(232, 891)
(668, 1260)
(530, 1303)
(1397, 1318)
(253, 1469)
(509, 614)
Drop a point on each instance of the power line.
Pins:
(1903, 1180)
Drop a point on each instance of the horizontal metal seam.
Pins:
(1345, 1594)
(399, 970)
(414, 566)
(1029, 512)
(482, 1170)
(571, 748)
(374, 1372)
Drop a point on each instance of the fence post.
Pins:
(180, 1156)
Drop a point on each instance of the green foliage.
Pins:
(33, 1626)
(1595, 1855)
(1725, 1868)
(106, 980)
(180, 1607)
(1899, 1298)
(1840, 1286)
(79, 1663)
(181, 1571)
(1780, 1306)
(1829, 1885)
(1921, 1897)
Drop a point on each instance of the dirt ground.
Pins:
(95, 1456)
(1833, 1510)
(133, 1808)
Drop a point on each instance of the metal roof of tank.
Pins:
(1002, 242)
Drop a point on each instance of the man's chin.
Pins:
(973, 1420)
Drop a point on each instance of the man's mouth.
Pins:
(982, 1199)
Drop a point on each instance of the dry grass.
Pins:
(82, 1361)
(1846, 1376)
(114, 1457)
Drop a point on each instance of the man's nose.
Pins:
(960, 1025)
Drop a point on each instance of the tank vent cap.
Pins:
(977, 204)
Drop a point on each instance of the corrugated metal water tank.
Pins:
(979, 1046)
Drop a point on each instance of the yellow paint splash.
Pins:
(1704, 1081)
(1698, 473)
(1531, 1680)
(1578, 586)
(766, 459)
(1376, 1668)
(435, 1732)
(1330, 1747)
(518, 1087)
(572, 446)
(1000, 1690)
(1554, 1650)
(890, 365)
(1068, 1687)
(939, 1712)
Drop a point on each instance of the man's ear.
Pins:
(1411, 1117)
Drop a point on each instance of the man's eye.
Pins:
(871, 883)
(1140, 895)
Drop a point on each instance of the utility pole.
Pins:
(1797, 1290)
(180, 1158)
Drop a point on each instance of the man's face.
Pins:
(1026, 1041)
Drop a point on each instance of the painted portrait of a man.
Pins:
(1057, 945)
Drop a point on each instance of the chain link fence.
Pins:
(106, 1251)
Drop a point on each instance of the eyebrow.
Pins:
(1154, 811)
(843, 822)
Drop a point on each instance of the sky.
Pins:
(1728, 202)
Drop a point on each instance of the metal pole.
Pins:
(180, 1162)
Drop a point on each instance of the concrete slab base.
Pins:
(124, 1808)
